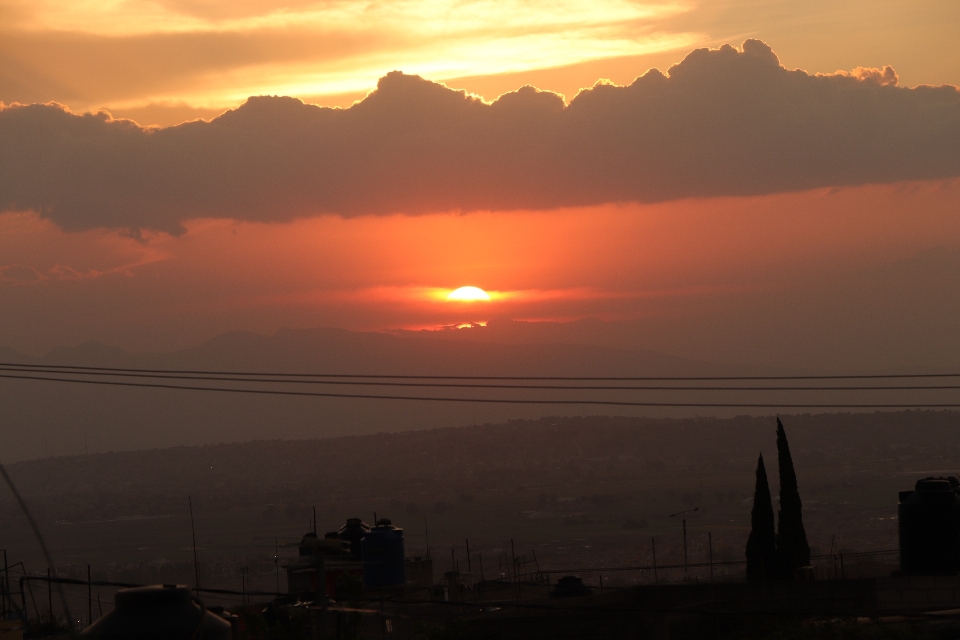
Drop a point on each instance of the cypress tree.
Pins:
(761, 545)
(792, 548)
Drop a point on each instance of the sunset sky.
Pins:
(760, 182)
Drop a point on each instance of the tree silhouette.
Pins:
(792, 548)
(762, 543)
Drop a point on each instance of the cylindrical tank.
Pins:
(309, 544)
(353, 533)
(383, 556)
(929, 525)
(161, 612)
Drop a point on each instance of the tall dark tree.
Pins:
(792, 548)
(762, 543)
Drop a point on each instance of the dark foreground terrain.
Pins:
(571, 493)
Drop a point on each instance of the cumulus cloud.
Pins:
(722, 122)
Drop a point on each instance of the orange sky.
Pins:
(94, 262)
(164, 61)
(612, 262)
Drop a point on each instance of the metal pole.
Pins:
(653, 543)
(33, 597)
(516, 577)
(193, 532)
(40, 541)
(320, 598)
(656, 581)
(50, 595)
(276, 560)
(684, 549)
(469, 567)
(23, 599)
(426, 533)
(6, 583)
(89, 598)
(710, 543)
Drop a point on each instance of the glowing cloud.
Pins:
(723, 122)
(227, 51)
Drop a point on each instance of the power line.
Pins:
(315, 394)
(472, 385)
(881, 376)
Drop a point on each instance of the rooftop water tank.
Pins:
(929, 524)
(383, 556)
(309, 544)
(570, 587)
(353, 533)
(158, 612)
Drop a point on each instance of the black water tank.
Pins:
(570, 587)
(353, 532)
(929, 523)
(309, 544)
(159, 612)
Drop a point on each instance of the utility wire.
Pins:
(315, 394)
(64, 368)
(240, 377)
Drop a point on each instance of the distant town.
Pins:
(592, 507)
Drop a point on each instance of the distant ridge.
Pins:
(43, 419)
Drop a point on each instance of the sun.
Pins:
(468, 294)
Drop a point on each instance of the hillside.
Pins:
(607, 482)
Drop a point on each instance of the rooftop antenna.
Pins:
(680, 513)
(314, 519)
(43, 545)
(193, 532)
(426, 533)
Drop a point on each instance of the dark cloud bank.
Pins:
(723, 122)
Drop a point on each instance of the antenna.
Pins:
(39, 537)
(193, 532)
(314, 520)
(426, 532)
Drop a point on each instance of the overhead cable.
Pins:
(64, 368)
(566, 401)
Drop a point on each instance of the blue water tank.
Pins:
(383, 557)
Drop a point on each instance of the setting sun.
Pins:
(468, 294)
